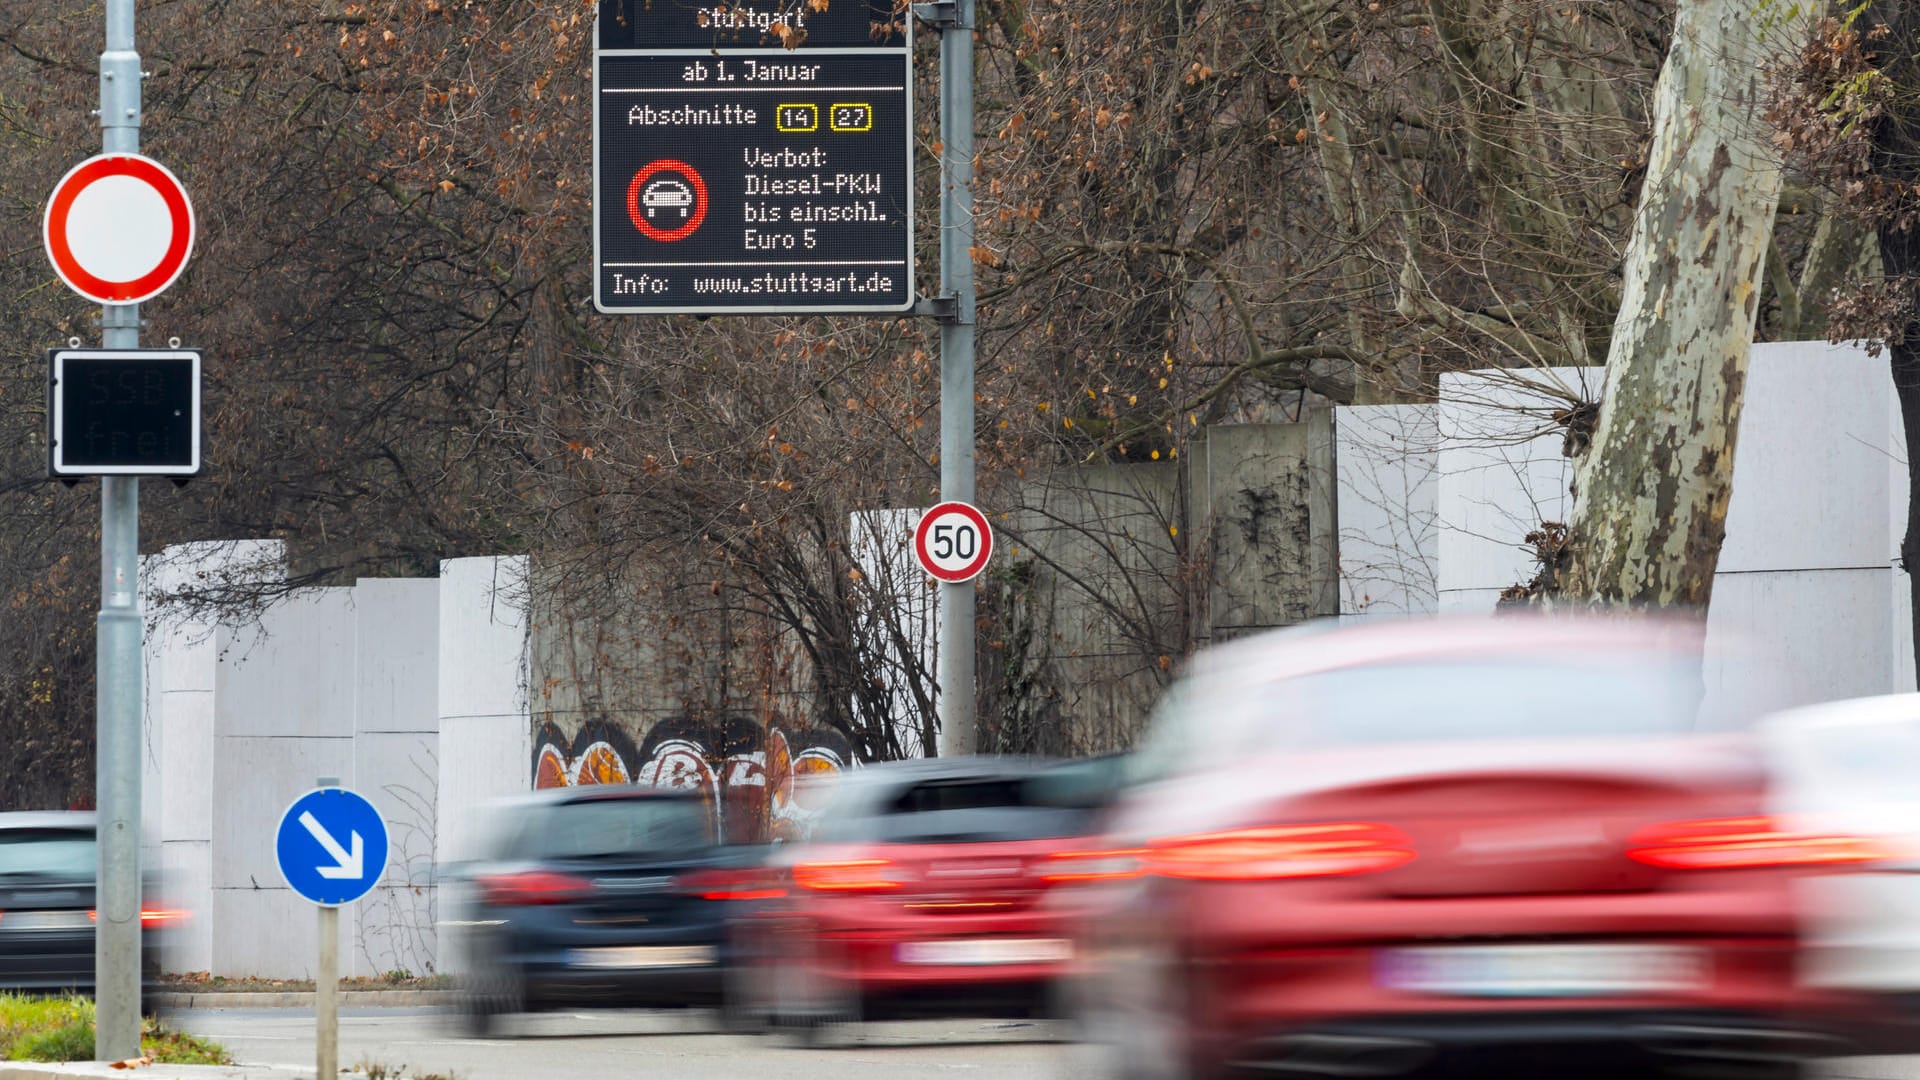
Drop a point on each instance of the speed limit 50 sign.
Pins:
(953, 542)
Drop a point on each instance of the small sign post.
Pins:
(332, 849)
(118, 230)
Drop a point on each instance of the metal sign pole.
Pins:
(331, 846)
(955, 663)
(116, 955)
(326, 997)
(326, 984)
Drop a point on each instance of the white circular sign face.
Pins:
(119, 228)
(953, 542)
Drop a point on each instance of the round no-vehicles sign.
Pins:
(118, 228)
(953, 541)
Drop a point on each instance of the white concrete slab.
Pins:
(289, 673)
(1814, 636)
(397, 654)
(1385, 462)
(273, 934)
(186, 883)
(257, 777)
(1811, 459)
(483, 637)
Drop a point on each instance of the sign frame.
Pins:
(922, 546)
(904, 54)
(177, 253)
(349, 889)
(57, 465)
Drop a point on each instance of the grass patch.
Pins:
(61, 1029)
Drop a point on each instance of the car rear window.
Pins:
(62, 853)
(601, 828)
(970, 811)
(1494, 698)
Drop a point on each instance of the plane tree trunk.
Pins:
(1650, 502)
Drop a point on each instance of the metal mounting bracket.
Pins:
(945, 308)
(941, 13)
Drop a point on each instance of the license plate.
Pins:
(44, 920)
(633, 957)
(1543, 971)
(984, 951)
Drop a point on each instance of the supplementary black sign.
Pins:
(123, 412)
(734, 175)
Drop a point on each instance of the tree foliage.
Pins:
(1191, 212)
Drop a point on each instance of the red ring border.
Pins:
(925, 559)
(667, 236)
(179, 245)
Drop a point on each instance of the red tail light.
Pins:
(533, 888)
(1069, 867)
(1738, 843)
(729, 885)
(1280, 851)
(150, 918)
(847, 875)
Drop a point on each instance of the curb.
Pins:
(21, 1070)
(349, 999)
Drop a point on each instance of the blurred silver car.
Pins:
(48, 865)
(1854, 766)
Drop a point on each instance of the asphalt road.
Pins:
(589, 1044)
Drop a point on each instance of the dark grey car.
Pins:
(606, 895)
(47, 869)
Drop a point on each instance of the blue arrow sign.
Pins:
(332, 846)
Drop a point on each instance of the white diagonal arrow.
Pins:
(350, 865)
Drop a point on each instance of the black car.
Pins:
(608, 895)
(47, 869)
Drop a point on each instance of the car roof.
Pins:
(47, 819)
(1847, 712)
(859, 788)
(1329, 644)
(589, 793)
(913, 770)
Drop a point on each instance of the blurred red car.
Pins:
(919, 895)
(1450, 846)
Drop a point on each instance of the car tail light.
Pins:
(729, 885)
(847, 875)
(533, 888)
(1069, 867)
(152, 918)
(1738, 843)
(1280, 851)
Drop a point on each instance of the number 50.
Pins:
(950, 541)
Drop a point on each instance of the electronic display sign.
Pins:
(736, 175)
(123, 412)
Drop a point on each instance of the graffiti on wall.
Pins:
(757, 783)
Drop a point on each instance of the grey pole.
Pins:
(326, 984)
(116, 946)
(955, 670)
(326, 997)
